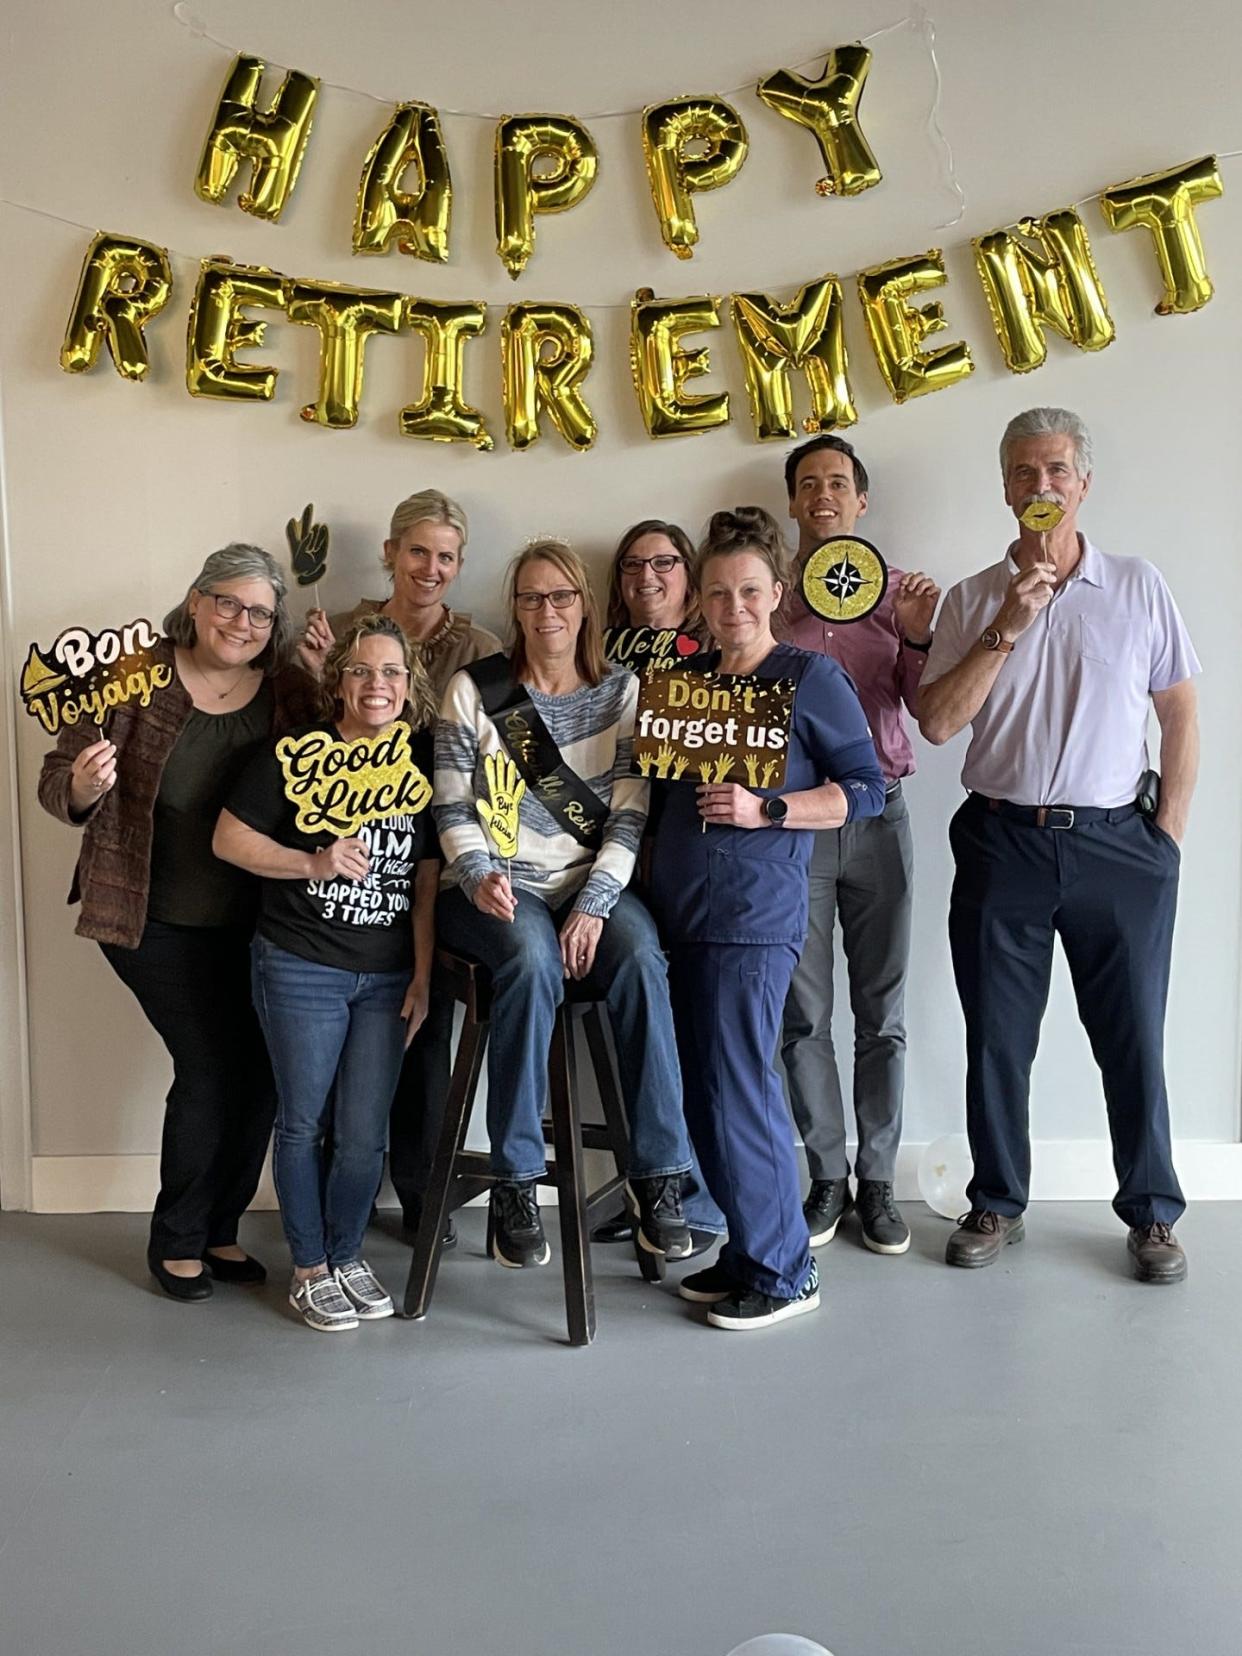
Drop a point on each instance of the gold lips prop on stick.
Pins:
(844, 579)
(1041, 515)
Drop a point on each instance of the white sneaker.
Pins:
(322, 1304)
(364, 1291)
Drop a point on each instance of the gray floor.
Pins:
(1040, 1459)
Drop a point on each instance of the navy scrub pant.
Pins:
(1108, 889)
(727, 1004)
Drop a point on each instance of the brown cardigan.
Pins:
(113, 875)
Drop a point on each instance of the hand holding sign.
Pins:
(499, 811)
(92, 775)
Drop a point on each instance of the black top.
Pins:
(357, 928)
(189, 885)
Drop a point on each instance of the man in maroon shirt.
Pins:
(861, 873)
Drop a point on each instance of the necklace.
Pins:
(220, 695)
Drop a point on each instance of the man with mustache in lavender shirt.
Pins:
(1054, 657)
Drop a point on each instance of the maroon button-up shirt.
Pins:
(885, 671)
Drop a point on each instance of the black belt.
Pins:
(1056, 816)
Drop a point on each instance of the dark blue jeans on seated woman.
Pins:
(336, 1040)
(528, 984)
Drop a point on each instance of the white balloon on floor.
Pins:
(779, 1644)
(944, 1172)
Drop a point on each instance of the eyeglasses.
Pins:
(661, 563)
(359, 674)
(562, 598)
(258, 615)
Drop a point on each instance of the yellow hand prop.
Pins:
(499, 811)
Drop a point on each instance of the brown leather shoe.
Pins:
(1157, 1254)
(980, 1236)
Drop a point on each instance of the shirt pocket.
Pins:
(1111, 643)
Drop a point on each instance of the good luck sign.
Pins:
(336, 787)
(713, 727)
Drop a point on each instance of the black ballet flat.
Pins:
(246, 1272)
(181, 1288)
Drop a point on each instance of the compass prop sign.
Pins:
(844, 579)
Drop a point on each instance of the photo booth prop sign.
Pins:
(84, 675)
(844, 579)
(713, 727)
(337, 786)
(499, 811)
(643, 649)
(308, 549)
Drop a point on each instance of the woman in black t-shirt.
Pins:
(340, 976)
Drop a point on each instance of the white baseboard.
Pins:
(1064, 1170)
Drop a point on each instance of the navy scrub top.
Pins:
(749, 885)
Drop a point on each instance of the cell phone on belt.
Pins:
(1147, 800)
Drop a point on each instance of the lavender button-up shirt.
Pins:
(1066, 721)
(885, 671)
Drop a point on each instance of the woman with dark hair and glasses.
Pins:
(556, 715)
(650, 585)
(173, 922)
(341, 976)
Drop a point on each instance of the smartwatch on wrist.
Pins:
(921, 648)
(992, 640)
(776, 810)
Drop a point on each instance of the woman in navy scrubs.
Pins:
(729, 880)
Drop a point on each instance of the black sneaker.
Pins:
(656, 1205)
(827, 1203)
(884, 1230)
(709, 1286)
(514, 1229)
(748, 1308)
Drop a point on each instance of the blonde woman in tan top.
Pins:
(423, 556)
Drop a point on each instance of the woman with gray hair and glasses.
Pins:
(174, 923)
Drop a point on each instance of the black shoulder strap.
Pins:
(576, 808)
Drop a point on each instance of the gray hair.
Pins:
(427, 506)
(239, 562)
(1049, 422)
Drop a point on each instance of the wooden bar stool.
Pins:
(458, 1175)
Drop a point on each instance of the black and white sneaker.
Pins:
(884, 1230)
(748, 1308)
(827, 1203)
(661, 1225)
(514, 1229)
(364, 1290)
(321, 1304)
(709, 1286)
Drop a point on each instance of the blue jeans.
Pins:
(524, 960)
(336, 1041)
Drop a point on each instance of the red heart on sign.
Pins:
(687, 645)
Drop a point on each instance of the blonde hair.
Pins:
(589, 657)
(420, 701)
(427, 506)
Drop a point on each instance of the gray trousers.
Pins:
(862, 872)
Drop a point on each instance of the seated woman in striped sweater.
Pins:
(554, 713)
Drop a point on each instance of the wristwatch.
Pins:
(921, 648)
(776, 810)
(992, 640)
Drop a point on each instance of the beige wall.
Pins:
(115, 490)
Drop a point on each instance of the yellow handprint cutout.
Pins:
(499, 811)
(751, 761)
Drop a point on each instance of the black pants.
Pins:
(418, 1105)
(1109, 890)
(193, 983)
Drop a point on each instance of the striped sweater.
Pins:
(594, 729)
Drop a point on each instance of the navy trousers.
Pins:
(1109, 891)
(727, 1004)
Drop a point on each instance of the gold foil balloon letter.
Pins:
(218, 330)
(829, 107)
(690, 144)
(1041, 274)
(661, 365)
(544, 164)
(441, 413)
(897, 328)
(546, 352)
(1165, 203)
(346, 318)
(273, 140)
(806, 334)
(418, 219)
(124, 283)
